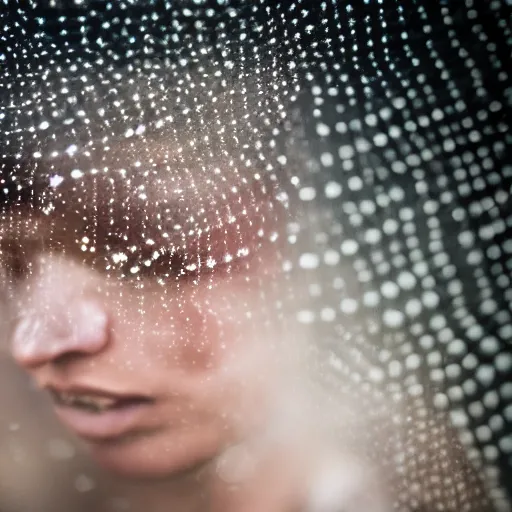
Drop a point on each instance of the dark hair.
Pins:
(117, 197)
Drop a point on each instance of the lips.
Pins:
(100, 415)
(93, 404)
(95, 401)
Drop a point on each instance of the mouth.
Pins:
(95, 403)
(98, 415)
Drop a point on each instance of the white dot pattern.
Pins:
(403, 113)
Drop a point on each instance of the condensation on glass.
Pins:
(348, 163)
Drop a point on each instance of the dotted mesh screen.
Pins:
(380, 127)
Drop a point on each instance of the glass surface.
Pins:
(255, 255)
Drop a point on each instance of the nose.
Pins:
(46, 336)
(61, 319)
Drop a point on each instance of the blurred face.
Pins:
(158, 364)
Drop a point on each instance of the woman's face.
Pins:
(157, 376)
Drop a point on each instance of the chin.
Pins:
(155, 456)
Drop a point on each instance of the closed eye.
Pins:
(195, 260)
(175, 265)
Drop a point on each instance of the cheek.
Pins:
(201, 327)
(207, 330)
(215, 323)
(200, 345)
(191, 334)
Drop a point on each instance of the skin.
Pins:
(233, 409)
(218, 389)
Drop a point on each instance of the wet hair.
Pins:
(187, 186)
(160, 205)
